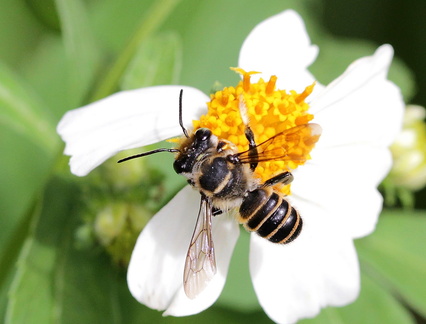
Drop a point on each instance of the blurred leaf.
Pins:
(157, 61)
(45, 11)
(31, 298)
(26, 122)
(395, 256)
(11, 244)
(25, 168)
(22, 110)
(46, 70)
(4, 290)
(19, 31)
(113, 36)
(150, 22)
(85, 287)
(403, 77)
(54, 282)
(81, 47)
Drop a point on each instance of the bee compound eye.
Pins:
(203, 134)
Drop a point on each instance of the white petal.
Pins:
(360, 114)
(320, 268)
(155, 274)
(225, 235)
(280, 46)
(360, 105)
(343, 182)
(125, 120)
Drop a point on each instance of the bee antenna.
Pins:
(148, 153)
(185, 132)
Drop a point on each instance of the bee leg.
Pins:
(284, 178)
(216, 211)
(249, 134)
(252, 147)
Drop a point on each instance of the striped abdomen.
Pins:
(270, 215)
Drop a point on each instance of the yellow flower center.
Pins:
(270, 112)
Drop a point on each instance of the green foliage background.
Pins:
(56, 55)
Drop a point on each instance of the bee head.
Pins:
(193, 149)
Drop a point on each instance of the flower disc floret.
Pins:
(270, 112)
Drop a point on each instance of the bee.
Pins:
(224, 178)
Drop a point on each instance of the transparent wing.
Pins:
(200, 263)
(293, 144)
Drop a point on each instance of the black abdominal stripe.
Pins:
(270, 215)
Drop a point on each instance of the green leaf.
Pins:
(403, 77)
(85, 287)
(395, 256)
(23, 111)
(26, 175)
(116, 36)
(31, 299)
(10, 247)
(18, 32)
(149, 24)
(157, 61)
(82, 51)
(4, 290)
(45, 12)
(46, 71)
(54, 282)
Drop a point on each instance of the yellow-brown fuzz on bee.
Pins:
(270, 111)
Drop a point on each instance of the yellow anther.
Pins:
(308, 90)
(246, 77)
(271, 85)
(225, 97)
(270, 112)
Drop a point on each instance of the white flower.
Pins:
(335, 192)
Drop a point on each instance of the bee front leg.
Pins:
(253, 154)
(284, 178)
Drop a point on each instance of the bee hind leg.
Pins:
(284, 178)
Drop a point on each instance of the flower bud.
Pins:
(117, 227)
(409, 151)
(123, 176)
